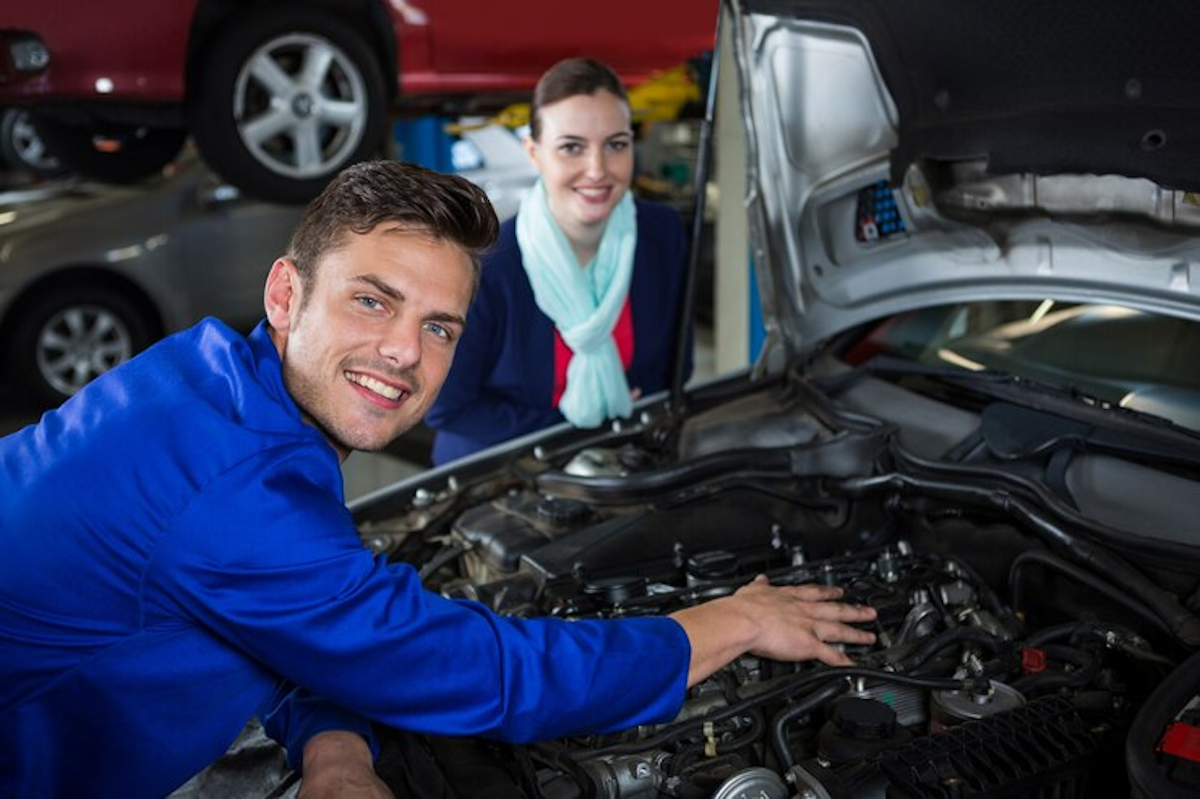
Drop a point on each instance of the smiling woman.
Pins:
(579, 307)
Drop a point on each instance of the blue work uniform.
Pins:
(176, 556)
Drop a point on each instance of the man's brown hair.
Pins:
(360, 197)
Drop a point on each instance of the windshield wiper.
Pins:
(1104, 423)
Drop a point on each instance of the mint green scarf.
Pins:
(584, 304)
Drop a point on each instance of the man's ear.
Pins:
(281, 295)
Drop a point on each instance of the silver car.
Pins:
(90, 274)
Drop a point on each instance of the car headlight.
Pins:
(28, 53)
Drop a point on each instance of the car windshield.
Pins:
(1119, 355)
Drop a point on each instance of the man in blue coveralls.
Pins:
(177, 555)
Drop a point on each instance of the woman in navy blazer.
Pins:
(510, 365)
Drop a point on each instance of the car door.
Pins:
(229, 243)
(508, 45)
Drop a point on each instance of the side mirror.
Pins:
(213, 195)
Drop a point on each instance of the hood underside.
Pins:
(920, 153)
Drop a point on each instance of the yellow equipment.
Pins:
(659, 99)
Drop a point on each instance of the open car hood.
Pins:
(903, 155)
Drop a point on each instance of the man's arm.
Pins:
(339, 764)
(782, 623)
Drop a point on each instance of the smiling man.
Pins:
(367, 343)
(177, 555)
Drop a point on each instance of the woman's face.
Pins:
(585, 157)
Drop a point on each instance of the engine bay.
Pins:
(1015, 647)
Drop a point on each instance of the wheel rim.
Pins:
(28, 144)
(301, 105)
(79, 343)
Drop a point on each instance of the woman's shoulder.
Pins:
(660, 230)
(505, 254)
(657, 214)
(502, 277)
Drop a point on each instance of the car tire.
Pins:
(68, 336)
(268, 128)
(22, 147)
(112, 153)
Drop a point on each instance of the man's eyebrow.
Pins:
(444, 316)
(393, 293)
(379, 285)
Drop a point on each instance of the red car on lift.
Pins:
(280, 96)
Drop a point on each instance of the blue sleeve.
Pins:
(272, 564)
(292, 716)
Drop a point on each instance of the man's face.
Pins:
(366, 350)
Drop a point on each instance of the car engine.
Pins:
(1013, 651)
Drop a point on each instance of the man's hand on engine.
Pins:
(778, 622)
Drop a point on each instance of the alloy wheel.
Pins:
(301, 105)
(79, 343)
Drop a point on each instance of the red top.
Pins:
(622, 335)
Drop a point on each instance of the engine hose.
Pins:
(794, 711)
(1000, 610)
(1087, 665)
(1149, 657)
(1067, 630)
(688, 755)
(845, 454)
(762, 463)
(744, 739)
(440, 558)
(977, 475)
(559, 758)
(1180, 623)
(785, 688)
(957, 635)
(1183, 625)
(1097, 584)
(1101, 632)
